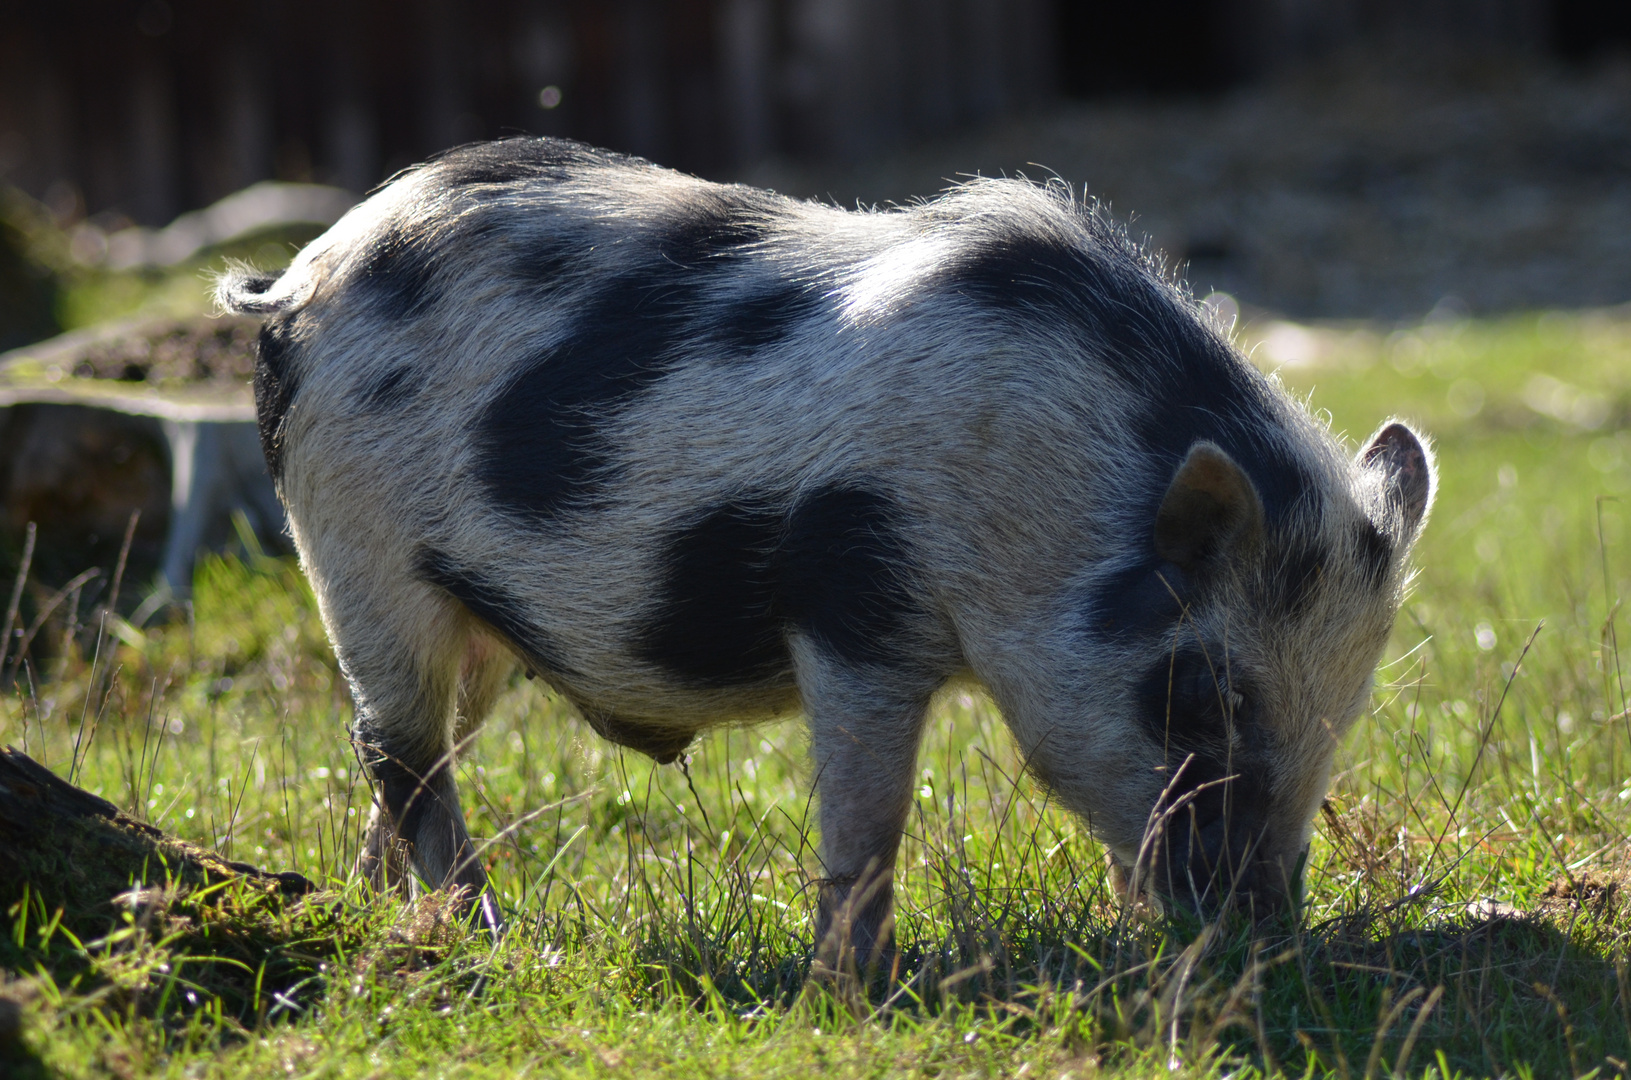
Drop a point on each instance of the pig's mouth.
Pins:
(1211, 854)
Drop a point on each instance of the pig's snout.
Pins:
(1211, 850)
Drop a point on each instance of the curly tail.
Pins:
(243, 290)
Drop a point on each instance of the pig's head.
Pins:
(1233, 701)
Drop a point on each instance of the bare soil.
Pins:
(195, 349)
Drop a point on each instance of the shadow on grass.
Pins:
(1481, 991)
(17, 1059)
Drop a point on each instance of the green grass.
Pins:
(662, 918)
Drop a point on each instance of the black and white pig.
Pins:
(700, 454)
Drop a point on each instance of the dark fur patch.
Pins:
(492, 605)
(709, 234)
(546, 262)
(395, 388)
(508, 161)
(540, 454)
(399, 274)
(1140, 601)
(1375, 553)
(1184, 701)
(716, 223)
(737, 580)
(1295, 580)
(276, 383)
(843, 565)
(719, 623)
(1193, 385)
(711, 226)
(765, 318)
(1029, 271)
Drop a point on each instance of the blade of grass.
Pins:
(17, 592)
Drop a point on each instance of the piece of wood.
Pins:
(159, 924)
(79, 853)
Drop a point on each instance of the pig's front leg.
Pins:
(865, 726)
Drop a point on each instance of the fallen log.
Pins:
(79, 852)
(256, 940)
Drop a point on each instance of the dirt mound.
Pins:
(190, 350)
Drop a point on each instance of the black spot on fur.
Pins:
(508, 161)
(492, 605)
(765, 318)
(1187, 702)
(395, 387)
(710, 226)
(737, 580)
(1295, 580)
(276, 383)
(1030, 271)
(843, 566)
(540, 454)
(719, 623)
(1139, 601)
(711, 233)
(1192, 383)
(399, 273)
(1375, 553)
(716, 223)
(542, 260)
(546, 262)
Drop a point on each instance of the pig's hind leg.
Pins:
(408, 655)
(865, 725)
(385, 857)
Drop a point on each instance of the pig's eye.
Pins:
(1189, 698)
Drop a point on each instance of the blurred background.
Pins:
(1397, 143)
(1299, 161)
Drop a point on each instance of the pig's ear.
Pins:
(1210, 511)
(1406, 465)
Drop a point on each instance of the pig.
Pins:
(699, 454)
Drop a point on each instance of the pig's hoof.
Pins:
(479, 907)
